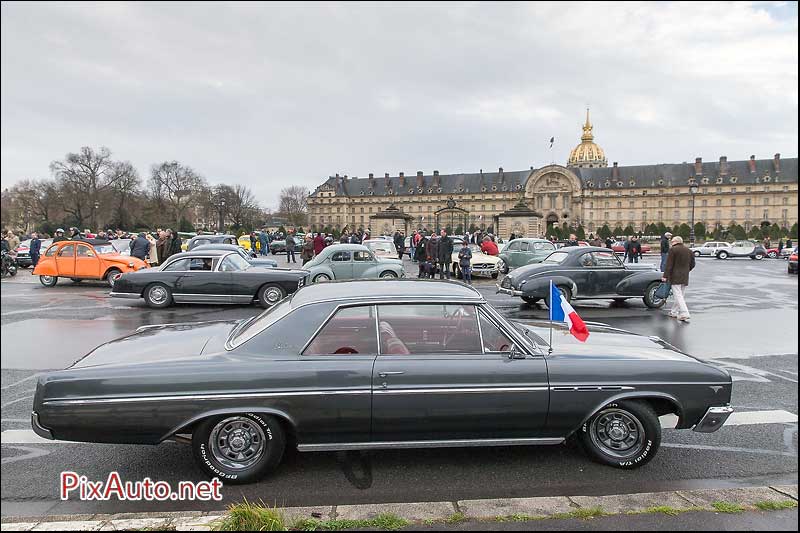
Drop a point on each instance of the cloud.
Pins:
(270, 94)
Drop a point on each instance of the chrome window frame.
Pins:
(325, 322)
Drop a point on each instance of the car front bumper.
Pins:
(714, 419)
(131, 295)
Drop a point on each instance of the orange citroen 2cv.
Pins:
(84, 259)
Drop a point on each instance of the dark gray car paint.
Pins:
(145, 387)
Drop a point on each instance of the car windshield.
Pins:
(381, 246)
(249, 328)
(234, 263)
(105, 249)
(556, 258)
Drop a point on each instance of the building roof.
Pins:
(659, 175)
(385, 289)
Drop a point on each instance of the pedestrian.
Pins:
(573, 240)
(59, 236)
(140, 247)
(512, 236)
(767, 243)
(319, 243)
(609, 243)
(307, 253)
(13, 241)
(290, 244)
(680, 261)
(175, 245)
(35, 248)
(75, 234)
(432, 253)
(789, 243)
(488, 247)
(421, 257)
(780, 246)
(465, 262)
(162, 247)
(399, 243)
(445, 255)
(263, 240)
(665, 249)
(152, 254)
(634, 250)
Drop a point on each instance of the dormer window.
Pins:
(519, 186)
(719, 180)
(661, 181)
(590, 184)
(767, 178)
(734, 179)
(483, 189)
(362, 192)
(704, 181)
(411, 190)
(494, 187)
(439, 190)
(619, 184)
(608, 184)
(632, 183)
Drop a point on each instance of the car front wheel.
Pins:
(650, 299)
(722, 255)
(758, 257)
(772, 255)
(530, 300)
(624, 434)
(697, 253)
(48, 281)
(158, 296)
(321, 277)
(502, 267)
(111, 277)
(388, 274)
(269, 295)
(238, 448)
(566, 294)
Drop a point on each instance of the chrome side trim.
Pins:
(714, 419)
(571, 386)
(131, 295)
(591, 388)
(196, 397)
(464, 390)
(400, 445)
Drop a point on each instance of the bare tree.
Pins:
(294, 204)
(83, 177)
(177, 186)
(124, 190)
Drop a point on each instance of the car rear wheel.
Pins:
(650, 299)
(566, 294)
(530, 300)
(758, 257)
(48, 281)
(238, 448)
(502, 267)
(269, 295)
(623, 434)
(111, 276)
(773, 255)
(722, 255)
(321, 277)
(697, 253)
(388, 274)
(158, 296)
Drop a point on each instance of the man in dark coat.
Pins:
(445, 255)
(399, 244)
(59, 236)
(432, 252)
(140, 246)
(35, 248)
(680, 261)
(175, 245)
(665, 249)
(319, 243)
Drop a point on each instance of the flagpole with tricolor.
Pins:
(562, 311)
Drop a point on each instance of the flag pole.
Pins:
(550, 348)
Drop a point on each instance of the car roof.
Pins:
(385, 289)
(530, 239)
(213, 237)
(201, 253)
(574, 250)
(338, 247)
(218, 246)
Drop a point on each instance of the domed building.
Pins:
(587, 154)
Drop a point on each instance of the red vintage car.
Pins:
(619, 247)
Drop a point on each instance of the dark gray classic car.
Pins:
(585, 272)
(249, 256)
(378, 364)
(208, 276)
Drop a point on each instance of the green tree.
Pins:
(605, 231)
(755, 233)
(793, 231)
(737, 232)
(652, 229)
(775, 231)
(683, 230)
(618, 230)
(580, 233)
(629, 230)
(700, 230)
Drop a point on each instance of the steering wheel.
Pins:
(345, 350)
(458, 315)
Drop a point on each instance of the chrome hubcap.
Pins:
(617, 433)
(158, 295)
(237, 443)
(47, 279)
(273, 295)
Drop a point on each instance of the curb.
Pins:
(430, 512)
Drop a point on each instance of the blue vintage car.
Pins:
(352, 261)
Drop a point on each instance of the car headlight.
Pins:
(506, 283)
(131, 265)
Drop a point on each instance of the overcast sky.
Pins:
(271, 95)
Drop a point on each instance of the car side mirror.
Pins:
(515, 353)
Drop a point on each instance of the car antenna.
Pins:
(550, 311)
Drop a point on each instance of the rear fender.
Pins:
(636, 284)
(46, 268)
(185, 426)
(636, 395)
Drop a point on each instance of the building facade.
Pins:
(585, 192)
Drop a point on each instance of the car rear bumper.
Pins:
(714, 419)
(38, 428)
(131, 295)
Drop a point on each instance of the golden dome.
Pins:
(587, 153)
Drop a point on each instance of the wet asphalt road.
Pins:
(744, 316)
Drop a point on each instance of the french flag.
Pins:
(561, 311)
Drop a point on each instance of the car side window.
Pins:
(428, 329)
(523, 246)
(586, 260)
(543, 246)
(362, 256)
(51, 251)
(85, 251)
(494, 340)
(513, 247)
(341, 256)
(606, 260)
(201, 263)
(350, 331)
(181, 265)
(67, 251)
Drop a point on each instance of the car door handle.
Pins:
(386, 374)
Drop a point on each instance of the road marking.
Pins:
(746, 418)
(34, 376)
(727, 449)
(22, 436)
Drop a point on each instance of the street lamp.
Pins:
(94, 215)
(693, 188)
(222, 214)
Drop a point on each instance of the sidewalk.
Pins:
(741, 508)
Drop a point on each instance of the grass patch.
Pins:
(247, 516)
(388, 522)
(455, 518)
(776, 505)
(518, 518)
(663, 509)
(728, 507)
(582, 513)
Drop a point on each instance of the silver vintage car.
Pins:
(351, 261)
(379, 364)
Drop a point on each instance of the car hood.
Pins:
(162, 342)
(389, 260)
(605, 342)
(640, 266)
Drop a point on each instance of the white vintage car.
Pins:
(710, 248)
(750, 249)
(482, 264)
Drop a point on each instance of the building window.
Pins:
(660, 203)
(733, 214)
(704, 203)
(785, 200)
(747, 201)
(676, 215)
(784, 214)
(718, 202)
(733, 201)
(766, 201)
(766, 214)
(733, 190)
(661, 216)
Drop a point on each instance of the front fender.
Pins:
(636, 284)
(539, 287)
